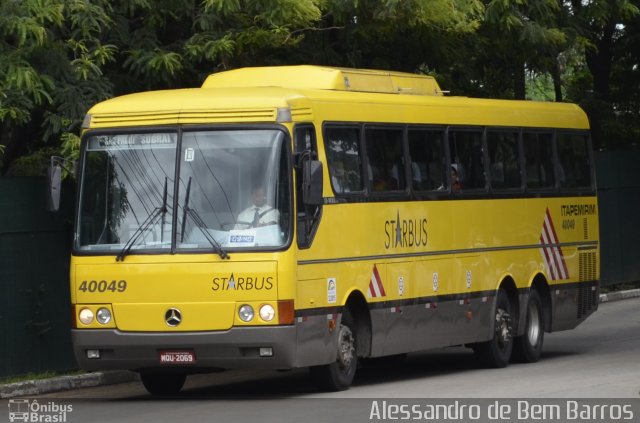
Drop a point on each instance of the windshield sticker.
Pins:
(242, 238)
(189, 154)
(131, 141)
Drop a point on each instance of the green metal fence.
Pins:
(35, 249)
(618, 174)
(34, 289)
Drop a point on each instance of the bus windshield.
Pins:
(233, 191)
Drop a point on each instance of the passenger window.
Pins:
(574, 158)
(504, 159)
(305, 138)
(467, 160)
(343, 155)
(385, 159)
(426, 149)
(538, 153)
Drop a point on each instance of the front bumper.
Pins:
(236, 348)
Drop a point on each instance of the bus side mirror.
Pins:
(54, 180)
(54, 185)
(312, 182)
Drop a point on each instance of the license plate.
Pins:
(177, 357)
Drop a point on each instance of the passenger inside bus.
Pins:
(338, 178)
(456, 183)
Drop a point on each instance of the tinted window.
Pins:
(386, 165)
(467, 159)
(305, 138)
(426, 149)
(573, 154)
(504, 159)
(343, 155)
(538, 153)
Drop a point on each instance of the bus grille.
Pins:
(587, 299)
(587, 264)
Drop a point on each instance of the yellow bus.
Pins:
(304, 216)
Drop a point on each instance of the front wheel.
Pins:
(527, 348)
(338, 376)
(163, 383)
(496, 352)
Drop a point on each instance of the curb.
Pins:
(88, 380)
(65, 383)
(619, 295)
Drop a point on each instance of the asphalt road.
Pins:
(599, 359)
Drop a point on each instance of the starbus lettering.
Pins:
(242, 283)
(405, 232)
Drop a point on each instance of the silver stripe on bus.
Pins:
(591, 245)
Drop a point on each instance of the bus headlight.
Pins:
(267, 312)
(103, 316)
(246, 313)
(85, 316)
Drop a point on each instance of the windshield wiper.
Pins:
(147, 222)
(188, 211)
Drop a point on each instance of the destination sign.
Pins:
(132, 141)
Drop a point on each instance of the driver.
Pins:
(259, 214)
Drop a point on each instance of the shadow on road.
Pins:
(296, 383)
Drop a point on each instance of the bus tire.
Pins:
(338, 376)
(163, 383)
(528, 346)
(496, 352)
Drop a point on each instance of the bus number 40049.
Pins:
(103, 286)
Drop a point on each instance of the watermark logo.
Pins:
(24, 410)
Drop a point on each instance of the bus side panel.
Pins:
(315, 337)
(573, 303)
(316, 340)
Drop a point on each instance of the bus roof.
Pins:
(257, 94)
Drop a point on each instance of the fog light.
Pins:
(267, 312)
(246, 313)
(93, 353)
(266, 352)
(103, 316)
(86, 316)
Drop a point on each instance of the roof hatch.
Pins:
(326, 78)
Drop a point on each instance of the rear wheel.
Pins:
(338, 376)
(496, 352)
(163, 383)
(528, 346)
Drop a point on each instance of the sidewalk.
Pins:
(87, 380)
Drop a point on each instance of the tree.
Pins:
(51, 61)
(58, 57)
(601, 26)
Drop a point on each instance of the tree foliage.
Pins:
(58, 57)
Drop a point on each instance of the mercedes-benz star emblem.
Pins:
(173, 317)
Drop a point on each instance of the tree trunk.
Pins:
(5, 139)
(556, 72)
(519, 82)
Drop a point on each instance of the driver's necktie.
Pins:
(256, 218)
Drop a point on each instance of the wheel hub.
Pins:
(503, 327)
(533, 331)
(346, 347)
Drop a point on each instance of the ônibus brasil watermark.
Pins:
(24, 410)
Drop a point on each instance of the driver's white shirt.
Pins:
(245, 218)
